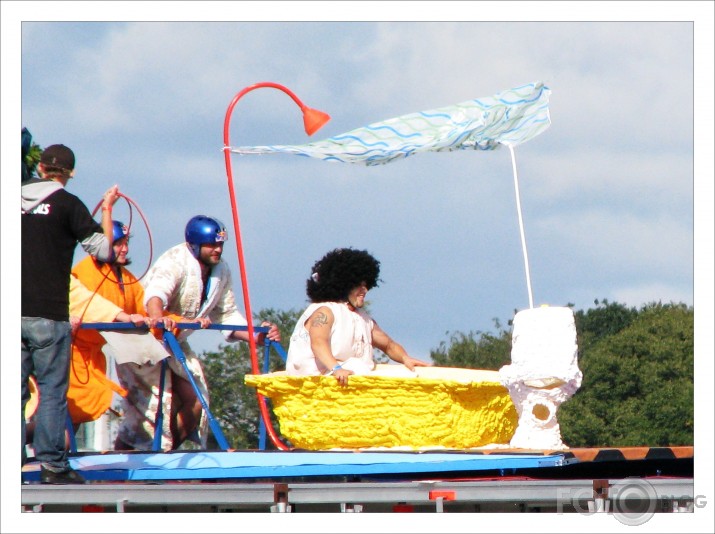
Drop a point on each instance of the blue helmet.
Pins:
(203, 229)
(119, 230)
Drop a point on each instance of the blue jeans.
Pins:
(46, 353)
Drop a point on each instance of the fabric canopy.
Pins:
(510, 118)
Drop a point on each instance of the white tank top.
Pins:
(350, 341)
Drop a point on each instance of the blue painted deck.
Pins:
(204, 465)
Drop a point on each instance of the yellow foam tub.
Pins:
(433, 407)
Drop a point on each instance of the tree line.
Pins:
(637, 364)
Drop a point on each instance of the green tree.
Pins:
(474, 350)
(638, 381)
(31, 153)
(233, 404)
(606, 319)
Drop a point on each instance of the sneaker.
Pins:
(47, 476)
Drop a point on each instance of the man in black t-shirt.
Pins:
(53, 222)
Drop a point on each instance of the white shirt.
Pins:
(350, 341)
(176, 279)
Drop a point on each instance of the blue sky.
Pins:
(606, 192)
(615, 204)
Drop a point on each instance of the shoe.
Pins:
(47, 476)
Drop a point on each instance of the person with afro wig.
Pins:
(335, 336)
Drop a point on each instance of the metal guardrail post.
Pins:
(159, 421)
(600, 502)
(439, 497)
(280, 498)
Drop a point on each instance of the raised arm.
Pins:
(110, 198)
(394, 350)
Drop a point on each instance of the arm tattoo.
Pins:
(319, 320)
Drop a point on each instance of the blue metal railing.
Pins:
(175, 349)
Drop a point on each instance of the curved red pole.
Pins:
(239, 246)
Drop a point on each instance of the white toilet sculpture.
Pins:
(542, 375)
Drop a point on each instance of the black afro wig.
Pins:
(340, 271)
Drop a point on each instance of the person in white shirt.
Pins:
(334, 335)
(188, 283)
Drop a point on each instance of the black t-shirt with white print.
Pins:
(50, 233)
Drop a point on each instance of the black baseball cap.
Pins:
(58, 156)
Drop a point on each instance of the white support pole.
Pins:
(521, 226)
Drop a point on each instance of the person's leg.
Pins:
(140, 407)
(30, 430)
(49, 343)
(119, 445)
(26, 369)
(196, 409)
(186, 410)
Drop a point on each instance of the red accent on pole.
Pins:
(315, 120)
(446, 495)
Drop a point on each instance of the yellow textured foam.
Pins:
(315, 413)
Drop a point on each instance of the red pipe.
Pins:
(239, 246)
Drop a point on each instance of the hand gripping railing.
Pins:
(175, 349)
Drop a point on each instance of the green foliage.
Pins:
(31, 154)
(233, 405)
(284, 319)
(606, 319)
(475, 350)
(33, 157)
(638, 379)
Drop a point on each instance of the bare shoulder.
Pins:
(320, 318)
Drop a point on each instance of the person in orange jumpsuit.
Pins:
(94, 309)
(90, 391)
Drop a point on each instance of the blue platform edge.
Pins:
(203, 465)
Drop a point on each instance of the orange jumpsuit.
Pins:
(90, 391)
